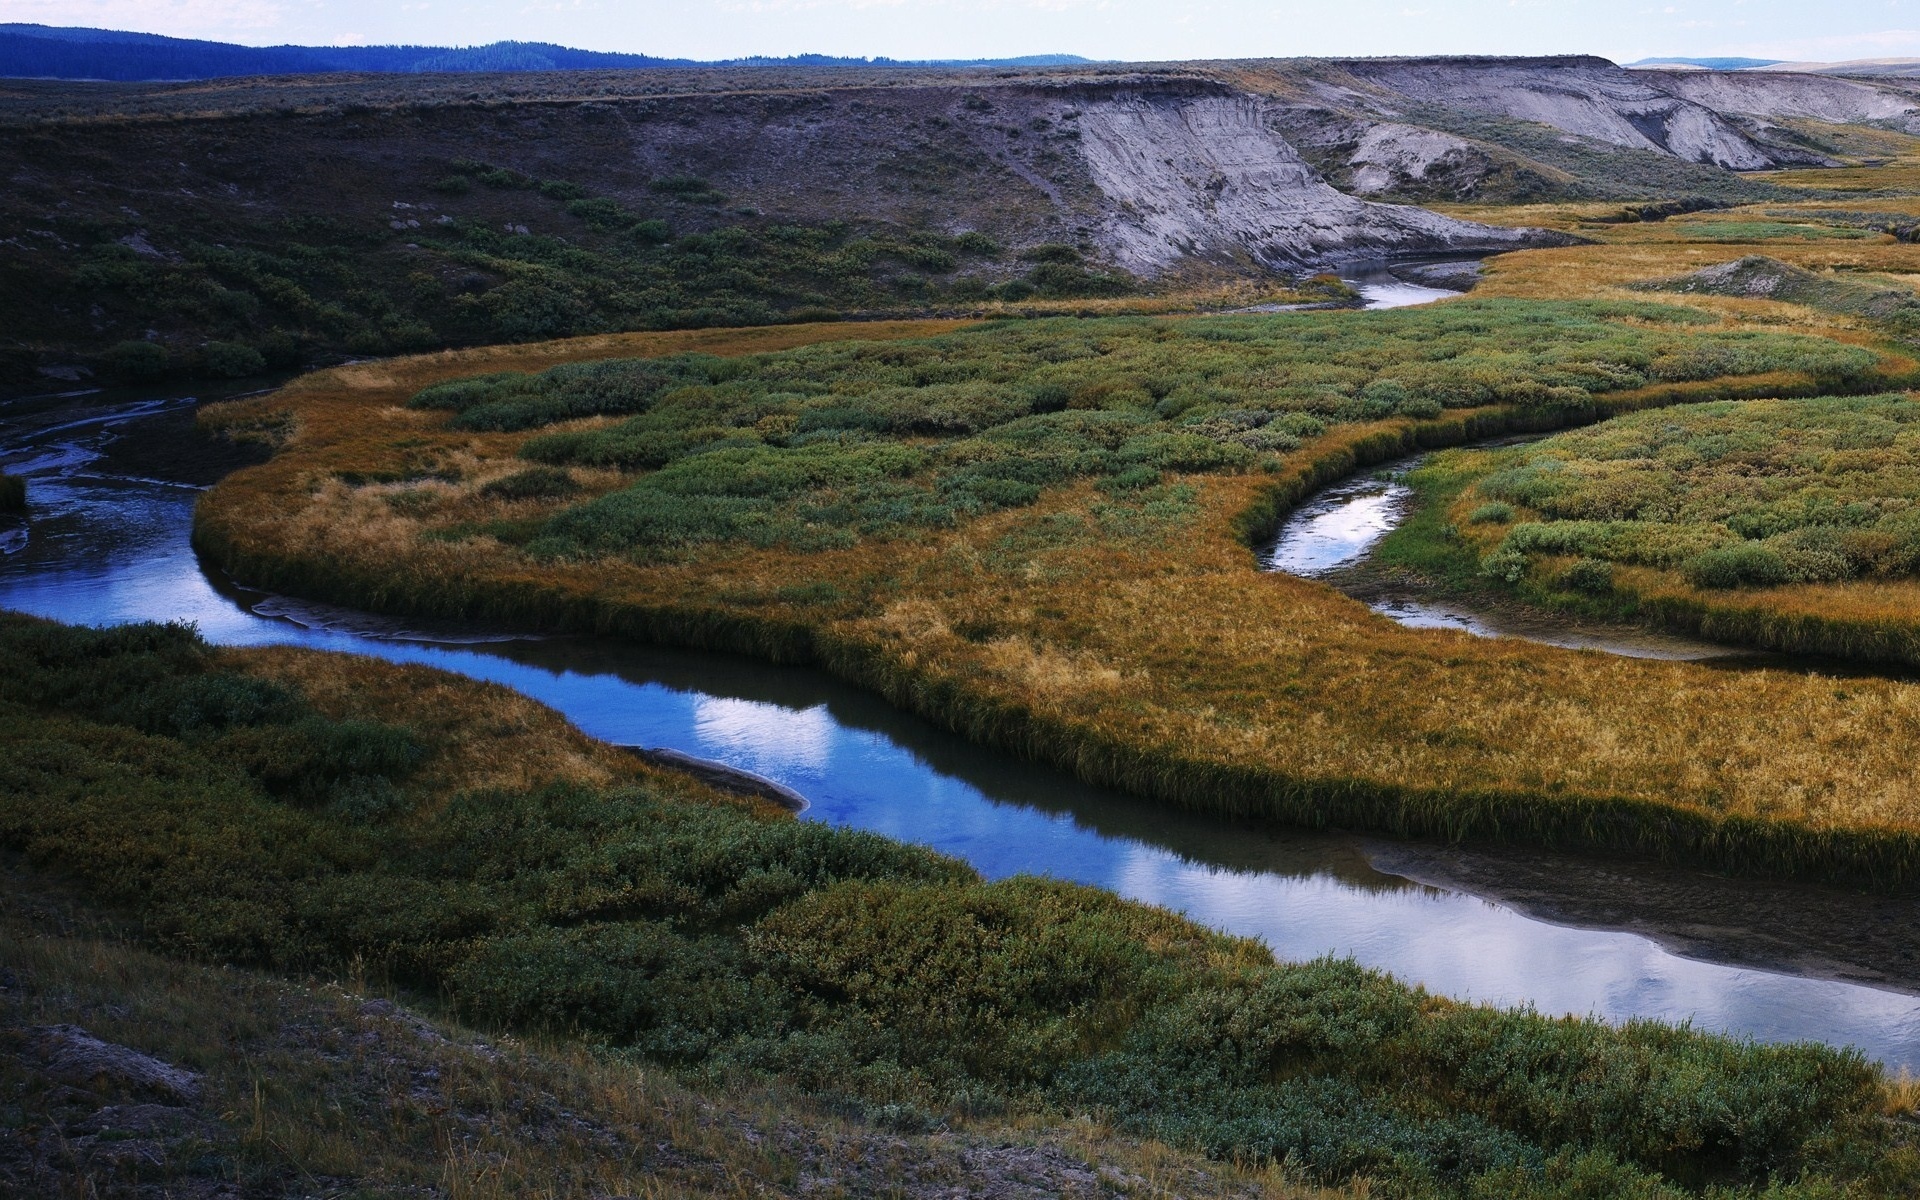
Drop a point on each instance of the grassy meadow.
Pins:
(823, 447)
(330, 818)
(1051, 554)
(1041, 534)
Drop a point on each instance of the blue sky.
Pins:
(1123, 29)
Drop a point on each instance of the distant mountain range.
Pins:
(1865, 67)
(1708, 64)
(49, 52)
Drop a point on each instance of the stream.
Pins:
(113, 482)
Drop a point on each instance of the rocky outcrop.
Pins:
(1589, 97)
(1782, 95)
(1146, 170)
(1389, 157)
(1758, 277)
(75, 1057)
(1206, 176)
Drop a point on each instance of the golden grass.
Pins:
(477, 736)
(1169, 666)
(1635, 254)
(481, 736)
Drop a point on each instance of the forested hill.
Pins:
(45, 52)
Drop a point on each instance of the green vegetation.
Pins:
(232, 294)
(317, 285)
(308, 1078)
(13, 493)
(1761, 278)
(1729, 494)
(822, 445)
(727, 941)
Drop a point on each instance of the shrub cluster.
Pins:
(1730, 494)
(232, 296)
(875, 974)
(162, 680)
(821, 445)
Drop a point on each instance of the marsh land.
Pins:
(463, 946)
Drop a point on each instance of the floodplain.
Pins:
(1036, 522)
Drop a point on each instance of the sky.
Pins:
(1134, 30)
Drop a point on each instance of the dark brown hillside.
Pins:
(228, 227)
(225, 244)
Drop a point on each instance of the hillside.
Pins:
(227, 228)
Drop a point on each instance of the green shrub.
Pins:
(535, 308)
(1383, 398)
(977, 244)
(1052, 252)
(1745, 565)
(691, 188)
(534, 483)
(231, 360)
(651, 232)
(1591, 575)
(1505, 565)
(1494, 512)
(1056, 280)
(561, 189)
(601, 213)
(136, 362)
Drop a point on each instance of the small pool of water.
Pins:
(1337, 526)
(1380, 288)
(107, 541)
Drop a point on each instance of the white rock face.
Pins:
(1780, 95)
(1389, 155)
(1678, 112)
(1588, 97)
(1205, 176)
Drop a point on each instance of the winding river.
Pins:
(113, 482)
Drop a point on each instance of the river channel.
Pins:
(113, 481)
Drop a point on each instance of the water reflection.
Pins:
(1417, 612)
(1338, 526)
(1380, 288)
(107, 548)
